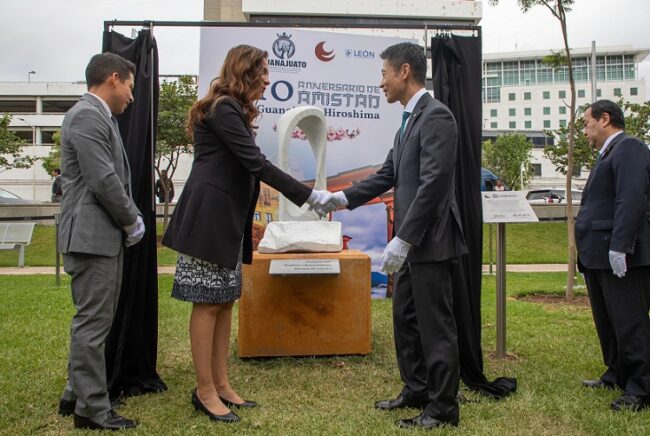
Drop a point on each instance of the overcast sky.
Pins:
(56, 38)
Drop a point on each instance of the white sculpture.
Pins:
(311, 121)
(300, 229)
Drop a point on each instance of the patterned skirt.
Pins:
(200, 281)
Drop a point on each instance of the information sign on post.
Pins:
(504, 207)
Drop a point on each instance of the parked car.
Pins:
(552, 196)
(489, 180)
(7, 197)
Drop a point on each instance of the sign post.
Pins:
(502, 208)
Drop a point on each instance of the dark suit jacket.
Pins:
(420, 168)
(215, 211)
(615, 208)
(96, 201)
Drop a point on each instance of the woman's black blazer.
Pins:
(215, 211)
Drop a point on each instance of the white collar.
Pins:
(104, 104)
(608, 141)
(410, 106)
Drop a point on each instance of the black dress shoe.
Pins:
(228, 418)
(424, 421)
(247, 404)
(112, 422)
(399, 403)
(629, 402)
(598, 383)
(66, 407)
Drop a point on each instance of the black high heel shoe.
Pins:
(228, 418)
(247, 404)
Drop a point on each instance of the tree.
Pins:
(510, 158)
(53, 159)
(176, 99)
(584, 155)
(11, 148)
(637, 123)
(559, 9)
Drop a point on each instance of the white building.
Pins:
(37, 111)
(522, 93)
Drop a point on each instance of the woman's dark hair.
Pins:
(240, 78)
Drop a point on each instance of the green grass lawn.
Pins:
(554, 348)
(543, 242)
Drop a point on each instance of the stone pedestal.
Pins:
(304, 315)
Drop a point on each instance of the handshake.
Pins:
(324, 202)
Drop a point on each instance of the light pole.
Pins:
(33, 145)
(29, 76)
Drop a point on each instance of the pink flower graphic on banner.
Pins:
(332, 133)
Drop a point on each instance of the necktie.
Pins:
(405, 117)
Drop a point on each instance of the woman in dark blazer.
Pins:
(211, 225)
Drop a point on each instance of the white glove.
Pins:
(394, 255)
(338, 201)
(134, 232)
(318, 201)
(617, 261)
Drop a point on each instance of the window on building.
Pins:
(562, 110)
(511, 96)
(257, 216)
(546, 111)
(492, 95)
(537, 170)
(47, 137)
(527, 96)
(562, 75)
(493, 113)
(576, 171)
(26, 135)
(581, 93)
(528, 124)
(527, 72)
(600, 67)
(512, 124)
(546, 95)
(269, 217)
(57, 106)
(629, 70)
(547, 124)
(493, 125)
(598, 93)
(18, 106)
(614, 67)
(562, 123)
(512, 112)
(617, 92)
(511, 73)
(561, 94)
(544, 73)
(634, 91)
(580, 69)
(528, 111)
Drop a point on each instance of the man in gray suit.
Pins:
(427, 240)
(98, 219)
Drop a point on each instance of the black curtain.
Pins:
(132, 345)
(456, 62)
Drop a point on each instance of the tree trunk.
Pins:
(571, 255)
(165, 209)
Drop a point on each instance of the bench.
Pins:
(16, 236)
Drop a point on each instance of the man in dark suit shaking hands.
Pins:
(613, 240)
(427, 240)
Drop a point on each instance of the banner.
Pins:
(339, 73)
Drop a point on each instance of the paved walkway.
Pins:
(27, 270)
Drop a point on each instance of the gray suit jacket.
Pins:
(420, 168)
(96, 201)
